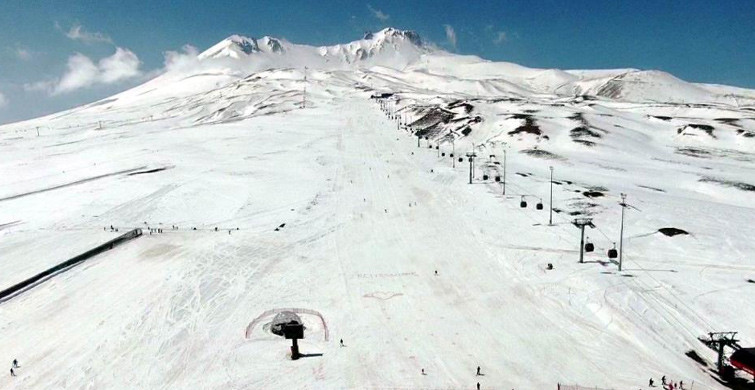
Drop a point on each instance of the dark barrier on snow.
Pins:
(68, 264)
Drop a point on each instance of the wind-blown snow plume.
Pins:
(450, 35)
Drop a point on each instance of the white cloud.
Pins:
(122, 65)
(3, 100)
(378, 13)
(23, 54)
(78, 33)
(39, 86)
(180, 60)
(450, 35)
(500, 37)
(82, 72)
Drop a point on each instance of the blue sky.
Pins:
(116, 44)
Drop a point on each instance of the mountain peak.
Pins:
(393, 35)
(237, 46)
(389, 44)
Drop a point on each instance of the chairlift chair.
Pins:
(589, 247)
(484, 177)
(523, 203)
(497, 178)
(539, 205)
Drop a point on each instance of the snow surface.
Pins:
(369, 217)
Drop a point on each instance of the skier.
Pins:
(342, 343)
(478, 385)
(681, 384)
(650, 382)
(12, 373)
(423, 372)
(478, 371)
(663, 380)
(478, 368)
(15, 363)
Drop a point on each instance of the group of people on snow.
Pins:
(668, 384)
(14, 366)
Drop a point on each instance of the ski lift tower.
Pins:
(581, 223)
(471, 156)
(294, 332)
(717, 341)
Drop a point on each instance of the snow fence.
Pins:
(18, 288)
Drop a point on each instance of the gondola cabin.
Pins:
(613, 253)
(744, 359)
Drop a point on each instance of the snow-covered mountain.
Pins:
(405, 50)
(270, 176)
(237, 46)
(388, 47)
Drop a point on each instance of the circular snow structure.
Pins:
(282, 319)
(272, 321)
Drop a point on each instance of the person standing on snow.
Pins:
(12, 373)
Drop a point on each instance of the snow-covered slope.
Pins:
(279, 187)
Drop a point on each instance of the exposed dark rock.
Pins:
(593, 194)
(542, 154)
(529, 127)
(729, 183)
(671, 231)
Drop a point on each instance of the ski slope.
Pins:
(369, 217)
